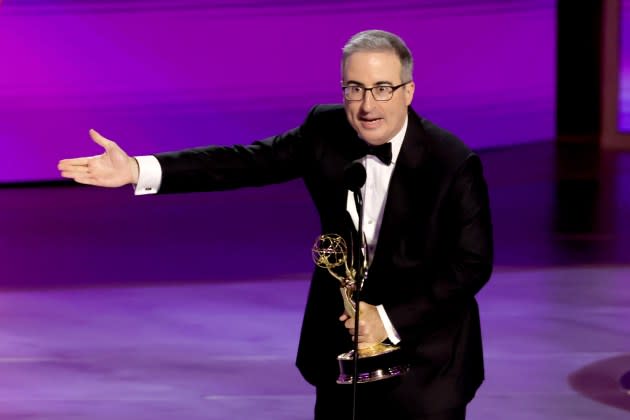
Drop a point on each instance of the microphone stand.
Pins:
(354, 178)
(361, 275)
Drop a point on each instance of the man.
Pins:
(427, 223)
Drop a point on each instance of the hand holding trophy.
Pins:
(378, 361)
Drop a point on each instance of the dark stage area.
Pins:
(115, 306)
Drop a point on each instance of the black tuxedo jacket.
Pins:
(433, 255)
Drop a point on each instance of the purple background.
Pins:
(624, 62)
(161, 75)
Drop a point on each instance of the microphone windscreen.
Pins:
(354, 176)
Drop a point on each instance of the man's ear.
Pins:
(409, 91)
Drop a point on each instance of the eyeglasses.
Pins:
(380, 93)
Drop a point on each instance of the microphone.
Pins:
(354, 176)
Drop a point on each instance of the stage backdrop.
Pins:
(624, 70)
(161, 75)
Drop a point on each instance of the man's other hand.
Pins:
(371, 329)
(113, 168)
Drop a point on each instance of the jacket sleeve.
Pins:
(214, 168)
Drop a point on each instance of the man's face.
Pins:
(376, 122)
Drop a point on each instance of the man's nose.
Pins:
(367, 103)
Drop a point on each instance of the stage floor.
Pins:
(189, 306)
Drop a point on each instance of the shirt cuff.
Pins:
(389, 328)
(149, 175)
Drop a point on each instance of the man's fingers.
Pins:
(77, 169)
(87, 180)
(70, 163)
(75, 172)
(349, 323)
(100, 140)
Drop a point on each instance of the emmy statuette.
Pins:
(380, 360)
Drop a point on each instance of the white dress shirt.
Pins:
(374, 197)
(374, 193)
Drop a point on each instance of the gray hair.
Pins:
(377, 40)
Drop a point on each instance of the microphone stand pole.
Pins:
(361, 275)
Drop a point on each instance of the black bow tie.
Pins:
(383, 152)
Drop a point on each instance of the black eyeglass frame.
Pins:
(365, 89)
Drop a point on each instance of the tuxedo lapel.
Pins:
(406, 188)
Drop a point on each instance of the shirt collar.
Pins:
(396, 142)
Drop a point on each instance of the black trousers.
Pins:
(375, 401)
